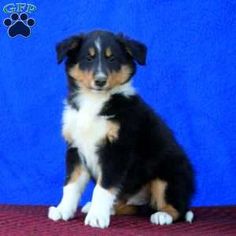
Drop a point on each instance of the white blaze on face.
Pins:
(99, 49)
(98, 45)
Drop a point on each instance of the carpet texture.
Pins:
(32, 220)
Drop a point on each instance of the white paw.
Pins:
(60, 213)
(99, 219)
(85, 209)
(189, 216)
(161, 218)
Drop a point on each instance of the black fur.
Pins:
(135, 49)
(72, 160)
(67, 47)
(145, 150)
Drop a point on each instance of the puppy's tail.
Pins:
(189, 216)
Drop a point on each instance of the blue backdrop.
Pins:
(189, 79)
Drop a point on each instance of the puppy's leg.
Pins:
(166, 212)
(101, 206)
(76, 180)
(123, 209)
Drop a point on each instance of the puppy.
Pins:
(116, 139)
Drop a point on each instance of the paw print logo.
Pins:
(19, 25)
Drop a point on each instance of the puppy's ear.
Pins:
(137, 50)
(68, 46)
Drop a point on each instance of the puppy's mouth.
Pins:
(100, 88)
(97, 89)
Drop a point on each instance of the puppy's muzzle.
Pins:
(100, 80)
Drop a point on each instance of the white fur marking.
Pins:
(99, 48)
(98, 44)
(161, 218)
(70, 199)
(86, 128)
(85, 209)
(100, 209)
(189, 216)
(100, 74)
(126, 89)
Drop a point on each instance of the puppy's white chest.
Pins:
(86, 128)
(89, 127)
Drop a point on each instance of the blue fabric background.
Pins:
(189, 79)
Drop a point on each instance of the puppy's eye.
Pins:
(110, 58)
(90, 57)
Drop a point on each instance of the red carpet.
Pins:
(29, 220)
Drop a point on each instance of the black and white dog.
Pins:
(116, 139)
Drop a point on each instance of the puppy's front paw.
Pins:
(99, 219)
(60, 213)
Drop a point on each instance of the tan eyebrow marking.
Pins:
(91, 51)
(108, 52)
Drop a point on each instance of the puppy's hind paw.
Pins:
(161, 218)
(85, 209)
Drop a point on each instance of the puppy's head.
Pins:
(100, 60)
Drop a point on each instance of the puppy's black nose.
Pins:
(100, 80)
(100, 83)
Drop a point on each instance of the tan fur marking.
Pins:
(91, 52)
(117, 78)
(158, 188)
(113, 190)
(84, 78)
(113, 131)
(171, 210)
(108, 52)
(122, 209)
(75, 174)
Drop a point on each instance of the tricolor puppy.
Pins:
(116, 139)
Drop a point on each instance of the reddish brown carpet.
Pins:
(29, 220)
